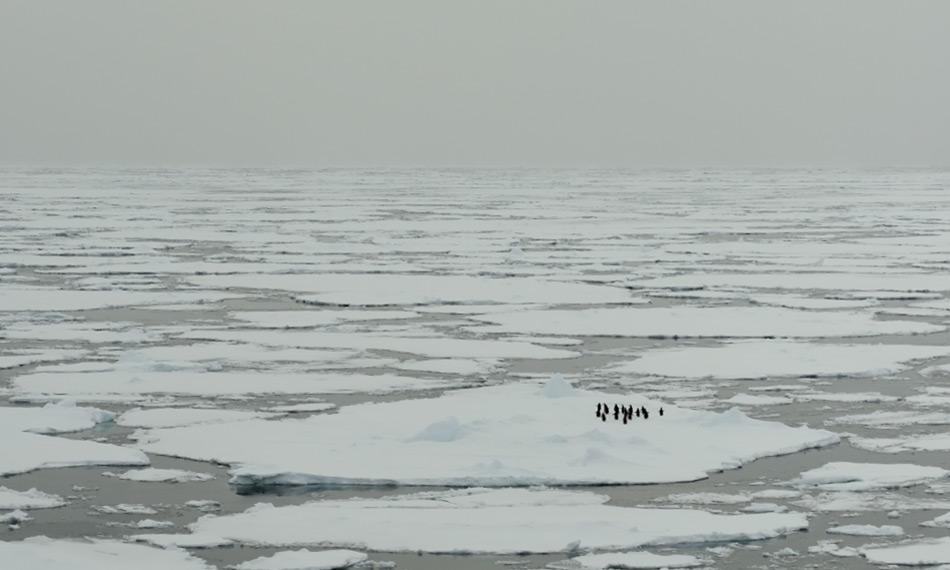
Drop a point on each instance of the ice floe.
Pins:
(308, 319)
(21, 451)
(15, 359)
(623, 560)
(216, 383)
(428, 346)
(550, 434)
(866, 530)
(847, 476)
(711, 322)
(45, 553)
(176, 417)
(503, 521)
(153, 475)
(51, 299)
(304, 559)
(394, 289)
(928, 552)
(762, 359)
(31, 499)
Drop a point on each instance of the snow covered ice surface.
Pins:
(499, 435)
(320, 333)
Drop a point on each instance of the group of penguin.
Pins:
(627, 412)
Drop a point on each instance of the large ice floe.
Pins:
(505, 521)
(45, 553)
(710, 322)
(23, 448)
(515, 434)
(764, 358)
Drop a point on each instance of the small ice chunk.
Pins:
(32, 499)
(15, 517)
(866, 530)
(847, 476)
(153, 475)
(926, 552)
(629, 560)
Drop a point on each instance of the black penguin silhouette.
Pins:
(598, 410)
(661, 412)
(643, 409)
(638, 412)
(616, 412)
(625, 419)
(616, 409)
(646, 414)
(603, 418)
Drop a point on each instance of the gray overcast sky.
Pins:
(513, 82)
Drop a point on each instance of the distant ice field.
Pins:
(404, 366)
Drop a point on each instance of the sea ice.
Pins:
(152, 475)
(503, 521)
(928, 552)
(32, 499)
(302, 408)
(755, 400)
(866, 530)
(310, 318)
(176, 417)
(44, 553)
(217, 383)
(625, 560)
(305, 560)
(690, 321)
(23, 358)
(21, 451)
(395, 289)
(428, 346)
(515, 434)
(762, 359)
(846, 476)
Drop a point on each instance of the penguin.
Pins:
(598, 409)
(625, 419)
(603, 418)
(616, 412)
(644, 410)
(646, 414)
(661, 412)
(638, 412)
